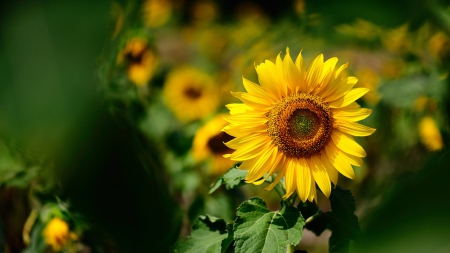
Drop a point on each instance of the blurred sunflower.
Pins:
(430, 134)
(300, 123)
(140, 59)
(190, 94)
(57, 234)
(209, 144)
(157, 12)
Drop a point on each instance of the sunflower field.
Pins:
(224, 126)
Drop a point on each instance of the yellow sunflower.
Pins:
(298, 122)
(209, 144)
(190, 94)
(57, 234)
(140, 59)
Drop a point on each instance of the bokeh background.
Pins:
(111, 111)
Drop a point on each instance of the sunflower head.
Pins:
(190, 94)
(298, 122)
(140, 60)
(209, 145)
(57, 233)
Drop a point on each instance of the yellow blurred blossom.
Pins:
(140, 59)
(368, 78)
(57, 234)
(190, 94)
(430, 134)
(397, 40)
(361, 29)
(209, 145)
(438, 43)
(157, 12)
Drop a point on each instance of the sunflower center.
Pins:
(216, 145)
(300, 125)
(192, 92)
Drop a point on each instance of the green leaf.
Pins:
(228, 241)
(230, 179)
(257, 229)
(343, 221)
(207, 235)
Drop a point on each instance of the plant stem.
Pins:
(290, 248)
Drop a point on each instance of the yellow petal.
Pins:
(341, 88)
(290, 178)
(353, 160)
(256, 90)
(281, 172)
(351, 114)
(268, 78)
(355, 129)
(250, 150)
(253, 101)
(261, 166)
(300, 64)
(238, 108)
(348, 98)
(338, 162)
(332, 172)
(314, 73)
(290, 72)
(320, 175)
(303, 178)
(327, 75)
(347, 144)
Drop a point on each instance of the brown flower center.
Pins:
(193, 92)
(300, 125)
(216, 145)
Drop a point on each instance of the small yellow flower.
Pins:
(57, 233)
(209, 144)
(140, 59)
(190, 94)
(429, 134)
(157, 12)
(299, 122)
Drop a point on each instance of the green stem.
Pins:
(279, 189)
(290, 248)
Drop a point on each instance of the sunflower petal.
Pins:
(256, 90)
(303, 178)
(348, 98)
(253, 101)
(290, 178)
(355, 129)
(238, 108)
(341, 165)
(351, 114)
(280, 175)
(320, 175)
(347, 144)
(342, 88)
(332, 172)
(290, 72)
(314, 73)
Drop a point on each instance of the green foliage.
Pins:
(341, 220)
(257, 229)
(231, 179)
(208, 235)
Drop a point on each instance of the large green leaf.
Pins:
(257, 229)
(207, 235)
(231, 179)
(343, 221)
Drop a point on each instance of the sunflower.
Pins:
(140, 59)
(299, 122)
(190, 94)
(57, 233)
(209, 144)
